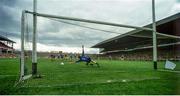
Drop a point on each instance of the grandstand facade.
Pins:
(6, 47)
(137, 44)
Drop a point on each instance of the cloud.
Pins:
(10, 16)
(54, 35)
(176, 7)
(42, 47)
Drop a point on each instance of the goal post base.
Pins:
(155, 65)
(37, 76)
(34, 69)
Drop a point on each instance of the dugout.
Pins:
(137, 44)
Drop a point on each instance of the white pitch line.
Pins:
(63, 85)
(169, 71)
(7, 75)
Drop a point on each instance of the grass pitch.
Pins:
(113, 77)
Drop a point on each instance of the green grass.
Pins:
(81, 79)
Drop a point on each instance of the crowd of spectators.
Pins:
(8, 55)
(64, 56)
(147, 56)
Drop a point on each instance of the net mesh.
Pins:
(59, 69)
(27, 47)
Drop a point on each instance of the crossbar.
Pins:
(88, 21)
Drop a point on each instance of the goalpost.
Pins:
(34, 39)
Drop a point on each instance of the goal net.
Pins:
(26, 65)
(122, 51)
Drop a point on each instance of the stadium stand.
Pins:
(137, 44)
(6, 48)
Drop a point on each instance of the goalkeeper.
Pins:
(87, 59)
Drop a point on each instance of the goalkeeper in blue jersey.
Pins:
(86, 59)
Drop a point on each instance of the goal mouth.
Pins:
(29, 39)
(29, 45)
(29, 68)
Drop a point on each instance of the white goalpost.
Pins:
(154, 35)
(34, 36)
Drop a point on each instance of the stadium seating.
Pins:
(5, 51)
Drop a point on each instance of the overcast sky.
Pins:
(53, 35)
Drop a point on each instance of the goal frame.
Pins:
(34, 38)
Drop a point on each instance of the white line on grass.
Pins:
(7, 75)
(90, 83)
(169, 71)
